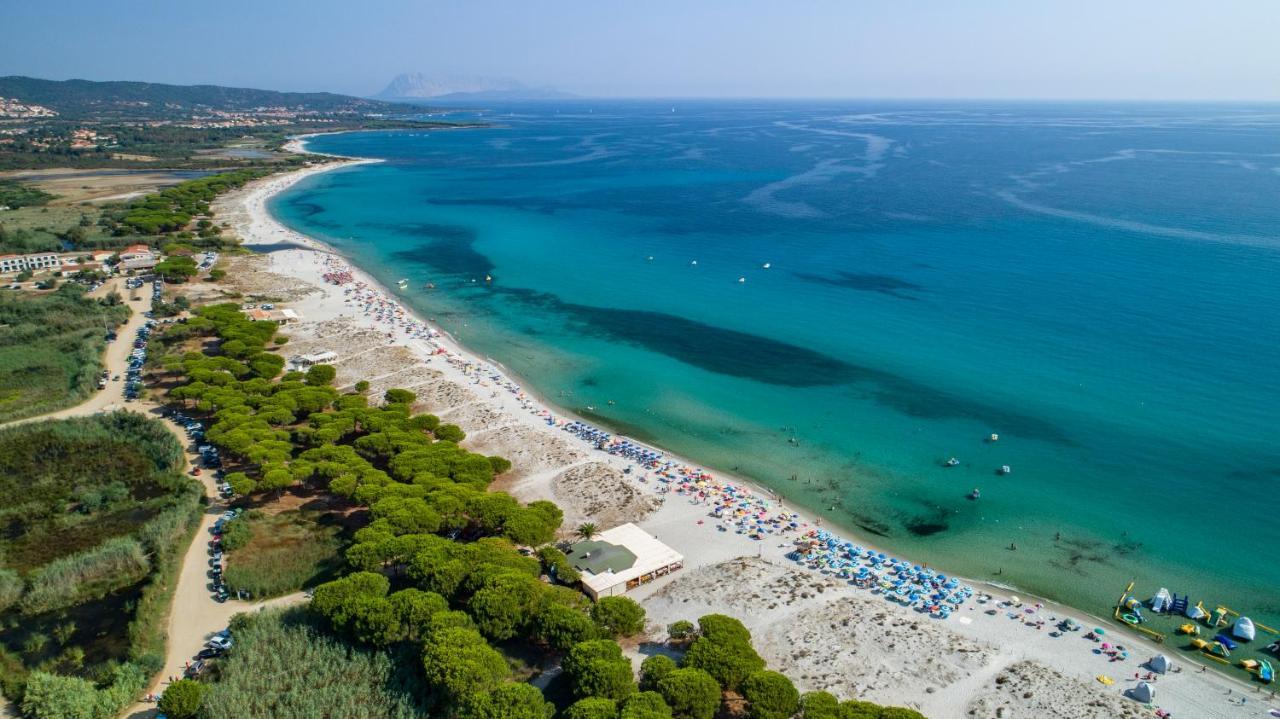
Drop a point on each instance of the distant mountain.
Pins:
(77, 99)
(417, 87)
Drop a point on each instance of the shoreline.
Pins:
(684, 525)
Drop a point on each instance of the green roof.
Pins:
(598, 557)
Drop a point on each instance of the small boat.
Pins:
(488, 278)
(1005, 469)
(766, 265)
(650, 258)
(402, 283)
(975, 494)
(995, 437)
(952, 462)
(694, 262)
(1243, 629)
(741, 280)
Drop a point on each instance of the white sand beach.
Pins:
(988, 659)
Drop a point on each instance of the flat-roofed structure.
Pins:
(620, 559)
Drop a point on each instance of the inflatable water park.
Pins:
(1213, 632)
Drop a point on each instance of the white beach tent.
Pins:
(1144, 693)
(1160, 664)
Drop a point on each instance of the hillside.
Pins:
(85, 99)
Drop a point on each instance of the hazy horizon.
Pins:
(1092, 51)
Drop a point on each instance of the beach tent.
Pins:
(1160, 664)
(1144, 693)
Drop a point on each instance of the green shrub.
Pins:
(653, 669)
(819, 705)
(645, 705)
(65, 582)
(182, 699)
(691, 693)
(681, 630)
(724, 651)
(770, 695)
(618, 616)
(11, 586)
(597, 669)
(592, 708)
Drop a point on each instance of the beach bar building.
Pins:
(620, 559)
(310, 360)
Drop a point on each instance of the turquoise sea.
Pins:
(1098, 284)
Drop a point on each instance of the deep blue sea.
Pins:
(1098, 284)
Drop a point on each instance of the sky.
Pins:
(1010, 49)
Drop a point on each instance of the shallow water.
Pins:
(1097, 284)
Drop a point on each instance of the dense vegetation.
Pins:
(177, 220)
(444, 570)
(14, 195)
(50, 348)
(173, 209)
(286, 665)
(94, 514)
(272, 554)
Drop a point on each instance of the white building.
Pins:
(137, 257)
(37, 261)
(620, 559)
(315, 358)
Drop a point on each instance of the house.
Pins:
(621, 559)
(136, 257)
(36, 261)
